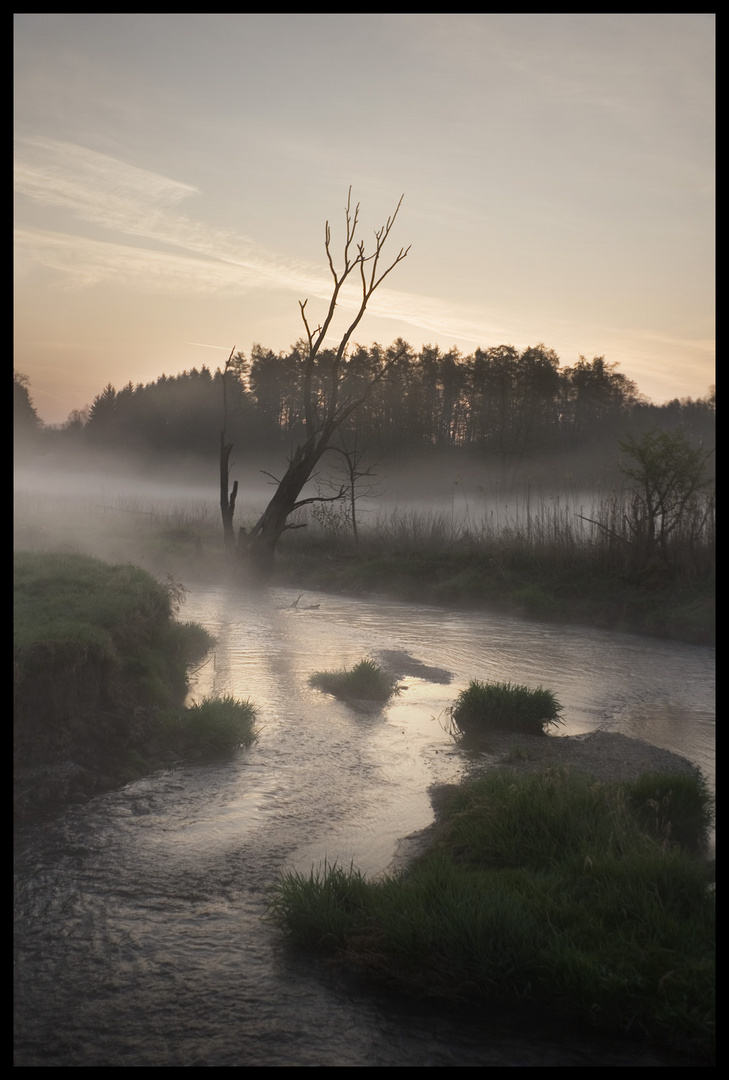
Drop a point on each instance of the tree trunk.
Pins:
(261, 541)
(322, 417)
(227, 502)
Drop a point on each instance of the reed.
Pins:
(605, 533)
(582, 563)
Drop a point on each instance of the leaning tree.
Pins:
(325, 405)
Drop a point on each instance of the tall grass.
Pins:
(549, 560)
(603, 531)
(541, 555)
(675, 809)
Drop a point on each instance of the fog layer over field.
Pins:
(72, 501)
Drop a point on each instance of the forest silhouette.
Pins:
(498, 402)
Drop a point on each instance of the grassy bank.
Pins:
(72, 609)
(547, 892)
(73, 606)
(101, 666)
(552, 567)
(679, 610)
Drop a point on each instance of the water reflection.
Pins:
(370, 772)
(140, 938)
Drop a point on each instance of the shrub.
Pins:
(366, 680)
(484, 707)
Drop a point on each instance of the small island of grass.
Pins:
(366, 681)
(484, 707)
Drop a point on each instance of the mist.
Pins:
(102, 503)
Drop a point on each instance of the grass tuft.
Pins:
(484, 707)
(366, 681)
(212, 728)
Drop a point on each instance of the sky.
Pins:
(174, 174)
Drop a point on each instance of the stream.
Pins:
(140, 930)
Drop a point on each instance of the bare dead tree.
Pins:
(324, 413)
(227, 497)
(360, 481)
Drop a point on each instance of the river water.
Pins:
(140, 929)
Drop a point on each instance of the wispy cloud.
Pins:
(178, 254)
(135, 202)
(85, 262)
(105, 191)
(93, 186)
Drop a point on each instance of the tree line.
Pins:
(508, 403)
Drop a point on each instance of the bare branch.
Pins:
(368, 286)
(605, 528)
(321, 498)
(309, 337)
(309, 416)
(327, 241)
(324, 414)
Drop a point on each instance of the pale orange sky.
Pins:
(174, 173)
